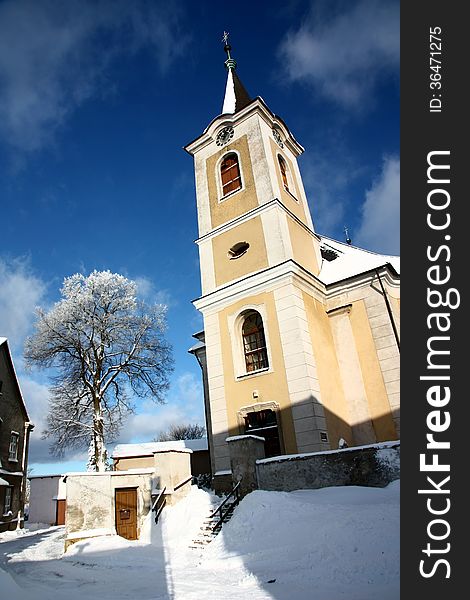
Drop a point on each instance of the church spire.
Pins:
(236, 97)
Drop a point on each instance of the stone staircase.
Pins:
(211, 526)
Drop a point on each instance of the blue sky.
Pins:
(97, 99)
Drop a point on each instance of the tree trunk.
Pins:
(98, 438)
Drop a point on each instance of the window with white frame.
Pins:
(283, 168)
(254, 343)
(286, 176)
(230, 174)
(13, 449)
(8, 500)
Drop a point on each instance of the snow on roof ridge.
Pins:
(46, 475)
(377, 445)
(346, 245)
(148, 448)
(352, 261)
(143, 471)
(244, 436)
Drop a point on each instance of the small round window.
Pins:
(238, 250)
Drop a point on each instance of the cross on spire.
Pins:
(236, 97)
(230, 63)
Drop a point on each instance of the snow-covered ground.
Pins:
(323, 544)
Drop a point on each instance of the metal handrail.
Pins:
(234, 493)
(159, 504)
(177, 487)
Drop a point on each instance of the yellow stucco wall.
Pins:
(239, 202)
(292, 202)
(271, 386)
(133, 462)
(254, 259)
(379, 407)
(302, 246)
(331, 389)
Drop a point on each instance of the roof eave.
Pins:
(4, 342)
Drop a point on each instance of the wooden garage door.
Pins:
(126, 513)
(60, 517)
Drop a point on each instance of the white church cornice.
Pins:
(253, 213)
(257, 106)
(291, 272)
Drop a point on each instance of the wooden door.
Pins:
(126, 513)
(60, 510)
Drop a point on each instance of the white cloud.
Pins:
(147, 291)
(189, 392)
(343, 56)
(145, 426)
(380, 227)
(20, 292)
(185, 405)
(55, 55)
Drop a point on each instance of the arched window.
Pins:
(230, 174)
(254, 343)
(283, 168)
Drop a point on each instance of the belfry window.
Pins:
(230, 174)
(254, 343)
(283, 168)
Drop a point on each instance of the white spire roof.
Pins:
(229, 98)
(236, 97)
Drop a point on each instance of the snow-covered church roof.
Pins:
(149, 448)
(342, 261)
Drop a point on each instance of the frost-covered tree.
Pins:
(190, 431)
(105, 347)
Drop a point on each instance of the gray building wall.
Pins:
(13, 417)
(376, 465)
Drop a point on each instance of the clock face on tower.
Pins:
(224, 136)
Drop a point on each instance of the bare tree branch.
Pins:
(189, 431)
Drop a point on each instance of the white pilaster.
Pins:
(301, 372)
(351, 376)
(218, 404)
(387, 350)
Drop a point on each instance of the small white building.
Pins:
(47, 499)
(119, 501)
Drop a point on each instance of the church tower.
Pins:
(270, 349)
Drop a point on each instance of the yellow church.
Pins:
(301, 332)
